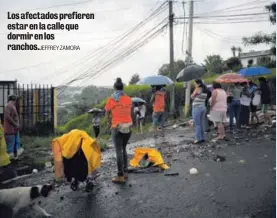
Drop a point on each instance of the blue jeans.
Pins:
(234, 112)
(158, 119)
(198, 115)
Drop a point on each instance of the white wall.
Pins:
(244, 61)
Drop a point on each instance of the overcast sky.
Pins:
(113, 18)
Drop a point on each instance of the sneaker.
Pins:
(119, 180)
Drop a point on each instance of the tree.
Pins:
(233, 63)
(250, 63)
(266, 62)
(263, 38)
(134, 79)
(178, 66)
(214, 64)
(239, 50)
(234, 49)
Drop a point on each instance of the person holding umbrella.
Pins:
(158, 100)
(119, 109)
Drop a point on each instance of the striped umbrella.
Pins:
(231, 78)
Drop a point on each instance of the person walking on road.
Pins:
(140, 111)
(11, 128)
(119, 109)
(219, 109)
(265, 99)
(158, 99)
(199, 97)
(96, 124)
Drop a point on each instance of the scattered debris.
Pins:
(265, 155)
(171, 174)
(193, 171)
(174, 126)
(242, 161)
(219, 158)
(35, 171)
(61, 198)
(48, 165)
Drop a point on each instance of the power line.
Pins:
(136, 44)
(218, 22)
(120, 39)
(232, 15)
(234, 6)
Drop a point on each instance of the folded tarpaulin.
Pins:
(68, 144)
(154, 156)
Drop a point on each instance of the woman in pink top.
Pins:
(219, 109)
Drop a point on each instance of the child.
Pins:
(96, 124)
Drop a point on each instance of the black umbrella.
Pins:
(190, 72)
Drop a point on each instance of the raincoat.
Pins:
(4, 157)
(67, 145)
(153, 156)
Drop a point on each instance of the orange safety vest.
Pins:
(159, 102)
(121, 110)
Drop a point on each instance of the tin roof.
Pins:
(255, 54)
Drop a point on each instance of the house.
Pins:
(254, 56)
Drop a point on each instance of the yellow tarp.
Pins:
(68, 144)
(4, 157)
(153, 156)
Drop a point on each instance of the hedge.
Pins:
(83, 122)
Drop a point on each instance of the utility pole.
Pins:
(171, 57)
(188, 90)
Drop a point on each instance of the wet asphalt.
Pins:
(242, 186)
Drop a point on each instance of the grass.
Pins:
(37, 150)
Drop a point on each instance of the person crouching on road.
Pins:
(119, 107)
(158, 100)
(199, 109)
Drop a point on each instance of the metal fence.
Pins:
(35, 106)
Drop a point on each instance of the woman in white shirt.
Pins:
(245, 101)
(140, 111)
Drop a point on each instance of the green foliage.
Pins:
(263, 38)
(134, 79)
(266, 62)
(233, 64)
(214, 64)
(178, 66)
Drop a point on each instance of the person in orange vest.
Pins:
(158, 100)
(119, 109)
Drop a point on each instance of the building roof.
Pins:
(8, 81)
(255, 54)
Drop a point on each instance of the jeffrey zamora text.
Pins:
(59, 47)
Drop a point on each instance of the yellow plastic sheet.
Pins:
(68, 144)
(4, 157)
(154, 156)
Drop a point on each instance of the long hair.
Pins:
(202, 86)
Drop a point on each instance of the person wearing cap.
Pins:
(119, 109)
(11, 128)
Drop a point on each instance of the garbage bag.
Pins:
(67, 145)
(154, 157)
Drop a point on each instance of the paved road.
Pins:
(242, 186)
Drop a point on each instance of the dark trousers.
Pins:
(96, 131)
(244, 115)
(120, 141)
(234, 112)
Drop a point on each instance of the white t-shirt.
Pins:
(244, 100)
(141, 109)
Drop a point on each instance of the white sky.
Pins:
(113, 18)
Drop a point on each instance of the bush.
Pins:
(83, 122)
